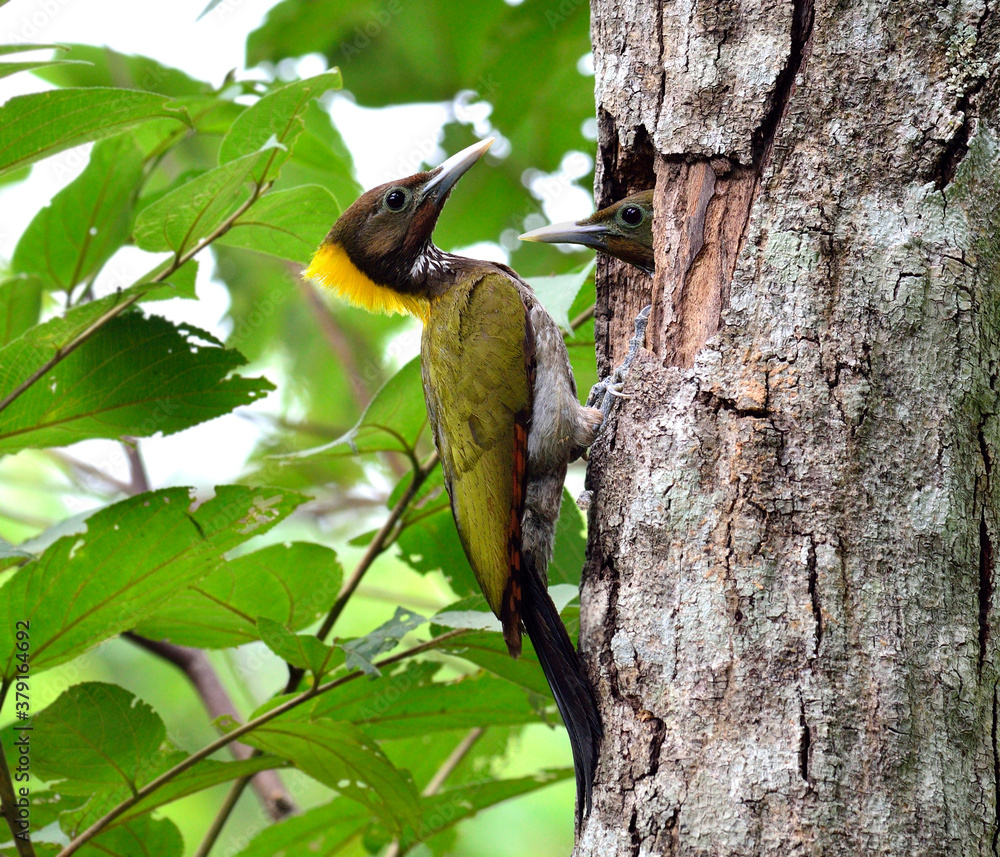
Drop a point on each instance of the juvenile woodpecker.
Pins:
(624, 230)
(502, 403)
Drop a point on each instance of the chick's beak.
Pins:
(589, 235)
(443, 178)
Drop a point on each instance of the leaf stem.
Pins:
(194, 664)
(239, 732)
(441, 775)
(64, 351)
(8, 803)
(382, 540)
(228, 805)
(583, 317)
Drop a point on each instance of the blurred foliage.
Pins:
(239, 183)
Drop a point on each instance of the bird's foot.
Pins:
(603, 393)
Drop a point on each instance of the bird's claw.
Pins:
(603, 393)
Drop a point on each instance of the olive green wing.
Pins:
(477, 358)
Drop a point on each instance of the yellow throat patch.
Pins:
(333, 268)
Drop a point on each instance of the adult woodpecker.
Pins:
(624, 229)
(502, 403)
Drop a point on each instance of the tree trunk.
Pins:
(789, 604)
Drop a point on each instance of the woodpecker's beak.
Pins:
(589, 234)
(443, 178)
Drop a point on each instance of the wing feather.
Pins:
(477, 363)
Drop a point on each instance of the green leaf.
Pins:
(275, 121)
(290, 583)
(322, 831)
(143, 837)
(137, 375)
(321, 157)
(71, 238)
(558, 293)
(450, 806)
(95, 736)
(132, 557)
(392, 422)
(102, 66)
(362, 652)
(22, 47)
(204, 775)
(192, 212)
(46, 806)
(488, 650)
(570, 549)
(411, 703)
(20, 305)
(9, 68)
(288, 224)
(343, 758)
(179, 284)
(300, 650)
(36, 126)
(431, 544)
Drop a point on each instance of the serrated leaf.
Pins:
(322, 831)
(97, 736)
(137, 375)
(343, 758)
(20, 305)
(185, 216)
(132, 556)
(362, 652)
(392, 422)
(300, 650)
(290, 583)
(276, 118)
(288, 224)
(88, 220)
(36, 126)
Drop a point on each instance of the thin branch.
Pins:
(137, 467)
(378, 544)
(192, 662)
(334, 336)
(8, 806)
(239, 732)
(83, 467)
(64, 351)
(441, 775)
(228, 805)
(583, 317)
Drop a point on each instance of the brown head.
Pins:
(624, 229)
(379, 253)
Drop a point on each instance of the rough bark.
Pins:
(790, 607)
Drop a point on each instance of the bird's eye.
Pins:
(396, 199)
(631, 215)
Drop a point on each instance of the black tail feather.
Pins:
(570, 687)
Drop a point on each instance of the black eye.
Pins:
(395, 200)
(631, 214)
